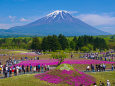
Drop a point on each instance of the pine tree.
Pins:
(63, 41)
(72, 45)
(36, 45)
(55, 45)
(44, 44)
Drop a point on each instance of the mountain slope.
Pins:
(55, 23)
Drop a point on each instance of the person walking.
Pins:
(42, 68)
(37, 58)
(109, 59)
(38, 67)
(48, 67)
(20, 69)
(112, 67)
(88, 68)
(101, 84)
(101, 67)
(34, 69)
(27, 69)
(0, 69)
(96, 67)
(23, 69)
(45, 67)
(30, 68)
(15, 71)
(104, 66)
(5, 71)
(105, 58)
(108, 83)
(10, 72)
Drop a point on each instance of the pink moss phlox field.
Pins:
(75, 80)
(66, 61)
(69, 61)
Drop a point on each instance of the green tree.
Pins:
(72, 45)
(44, 44)
(90, 47)
(85, 49)
(55, 43)
(60, 56)
(36, 45)
(63, 41)
(51, 43)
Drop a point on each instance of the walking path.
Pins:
(2, 77)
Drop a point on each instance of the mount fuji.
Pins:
(57, 22)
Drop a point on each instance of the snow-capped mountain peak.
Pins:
(57, 12)
(57, 22)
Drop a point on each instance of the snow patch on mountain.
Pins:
(57, 12)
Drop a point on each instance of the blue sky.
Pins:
(98, 13)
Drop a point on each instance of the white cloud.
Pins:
(23, 20)
(15, 21)
(7, 26)
(110, 29)
(96, 19)
(4, 26)
(12, 18)
(73, 12)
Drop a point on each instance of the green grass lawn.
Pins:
(104, 76)
(26, 80)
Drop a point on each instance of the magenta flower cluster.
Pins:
(50, 78)
(70, 61)
(66, 77)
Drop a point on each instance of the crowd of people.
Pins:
(98, 67)
(103, 56)
(9, 69)
(101, 84)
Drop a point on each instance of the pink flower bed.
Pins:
(72, 77)
(67, 61)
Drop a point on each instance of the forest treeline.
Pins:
(53, 43)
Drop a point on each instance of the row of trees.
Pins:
(15, 43)
(53, 43)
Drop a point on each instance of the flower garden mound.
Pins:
(66, 74)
